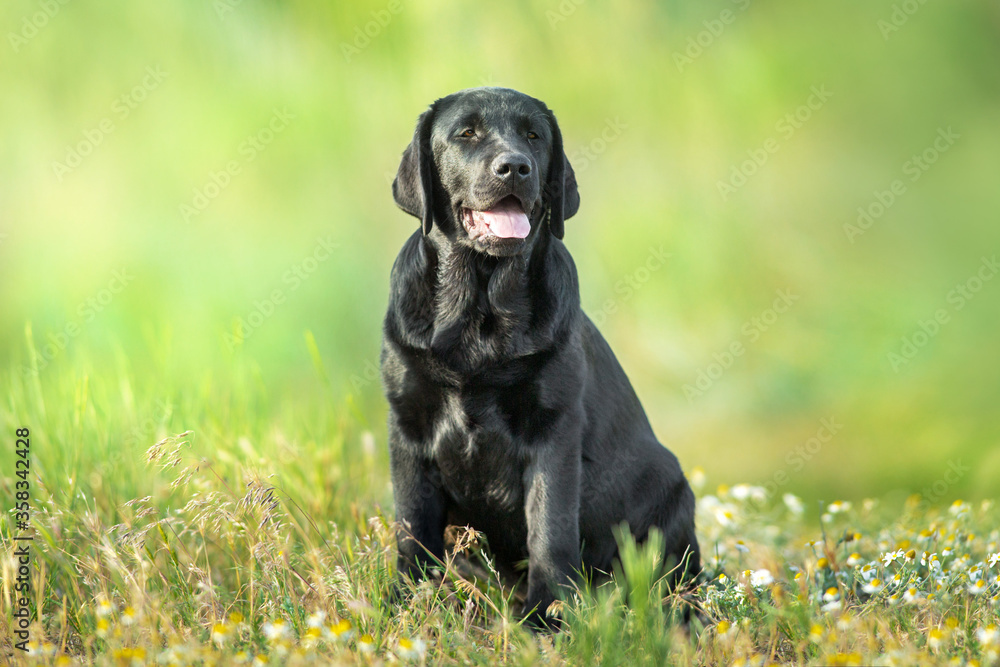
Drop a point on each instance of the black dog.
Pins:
(509, 412)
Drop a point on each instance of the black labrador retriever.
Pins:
(508, 411)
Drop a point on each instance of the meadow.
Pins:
(787, 234)
(266, 537)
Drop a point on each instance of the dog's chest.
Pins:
(480, 468)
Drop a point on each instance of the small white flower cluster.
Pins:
(927, 570)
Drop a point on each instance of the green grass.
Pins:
(202, 521)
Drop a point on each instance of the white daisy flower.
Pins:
(873, 586)
(129, 616)
(959, 508)
(366, 644)
(935, 638)
(745, 491)
(869, 570)
(740, 491)
(220, 631)
(890, 557)
(838, 506)
(978, 586)
(276, 630)
(793, 503)
(411, 649)
(989, 635)
(342, 630)
(311, 636)
(104, 607)
(725, 515)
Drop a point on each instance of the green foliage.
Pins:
(262, 533)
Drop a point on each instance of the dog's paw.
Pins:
(543, 619)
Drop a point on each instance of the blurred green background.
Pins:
(116, 116)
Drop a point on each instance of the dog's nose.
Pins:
(512, 166)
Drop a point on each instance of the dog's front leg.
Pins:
(420, 509)
(552, 510)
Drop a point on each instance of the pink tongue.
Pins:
(507, 221)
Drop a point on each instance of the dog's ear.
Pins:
(563, 196)
(413, 186)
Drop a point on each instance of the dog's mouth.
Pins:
(504, 220)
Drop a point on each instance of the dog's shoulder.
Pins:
(561, 273)
(413, 265)
(409, 318)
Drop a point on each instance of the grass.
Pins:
(205, 521)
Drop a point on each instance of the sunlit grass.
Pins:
(241, 531)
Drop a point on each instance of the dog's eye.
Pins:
(532, 135)
(468, 133)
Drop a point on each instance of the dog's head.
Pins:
(487, 166)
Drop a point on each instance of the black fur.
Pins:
(508, 410)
